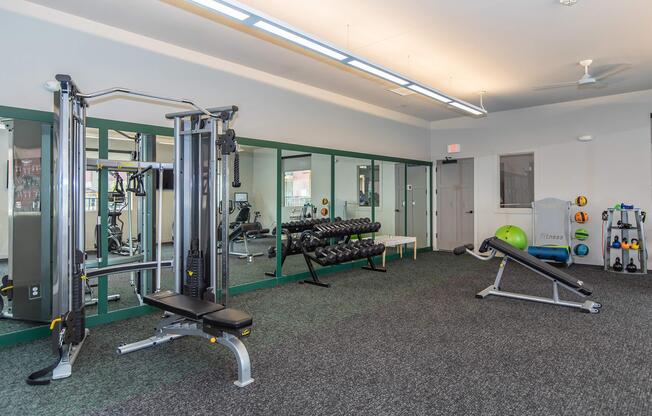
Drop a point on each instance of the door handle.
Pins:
(468, 212)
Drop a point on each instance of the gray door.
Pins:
(417, 218)
(454, 203)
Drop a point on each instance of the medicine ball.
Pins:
(581, 217)
(581, 234)
(581, 200)
(581, 250)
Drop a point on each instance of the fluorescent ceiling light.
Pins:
(429, 93)
(261, 24)
(467, 108)
(377, 72)
(222, 8)
(254, 18)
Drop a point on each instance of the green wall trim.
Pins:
(314, 149)
(101, 123)
(25, 114)
(43, 331)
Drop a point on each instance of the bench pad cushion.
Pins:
(229, 320)
(182, 305)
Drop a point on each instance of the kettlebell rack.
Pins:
(628, 232)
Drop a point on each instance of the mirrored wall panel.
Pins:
(306, 196)
(252, 217)
(25, 286)
(390, 211)
(353, 188)
(418, 204)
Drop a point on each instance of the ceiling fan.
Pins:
(588, 80)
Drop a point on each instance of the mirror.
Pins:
(25, 291)
(252, 216)
(390, 190)
(353, 190)
(418, 204)
(306, 186)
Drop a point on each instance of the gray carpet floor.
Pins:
(413, 341)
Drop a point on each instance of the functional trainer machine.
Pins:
(192, 308)
(559, 278)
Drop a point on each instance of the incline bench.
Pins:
(558, 277)
(187, 315)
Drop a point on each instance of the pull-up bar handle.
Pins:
(114, 90)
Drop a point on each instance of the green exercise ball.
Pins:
(513, 235)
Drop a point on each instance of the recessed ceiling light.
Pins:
(567, 2)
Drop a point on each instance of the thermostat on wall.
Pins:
(454, 148)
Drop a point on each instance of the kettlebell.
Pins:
(618, 266)
(616, 243)
(634, 244)
(624, 244)
(631, 267)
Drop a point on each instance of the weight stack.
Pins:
(193, 283)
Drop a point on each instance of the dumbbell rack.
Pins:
(342, 230)
(639, 229)
(292, 245)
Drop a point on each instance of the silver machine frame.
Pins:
(495, 290)
(198, 135)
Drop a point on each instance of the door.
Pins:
(454, 203)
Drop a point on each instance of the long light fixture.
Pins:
(258, 20)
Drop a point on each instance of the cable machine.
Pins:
(192, 308)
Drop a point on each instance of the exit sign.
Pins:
(454, 148)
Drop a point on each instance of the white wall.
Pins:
(100, 56)
(614, 167)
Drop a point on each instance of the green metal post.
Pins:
(279, 211)
(331, 205)
(103, 192)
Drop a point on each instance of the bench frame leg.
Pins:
(172, 327)
(237, 347)
(494, 290)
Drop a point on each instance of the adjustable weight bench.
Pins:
(187, 315)
(558, 277)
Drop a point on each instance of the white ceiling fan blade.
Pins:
(612, 71)
(557, 85)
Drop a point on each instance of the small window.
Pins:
(517, 181)
(364, 186)
(296, 185)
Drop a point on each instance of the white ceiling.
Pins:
(504, 47)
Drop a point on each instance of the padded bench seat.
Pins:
(182, 305)
(227, 320)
